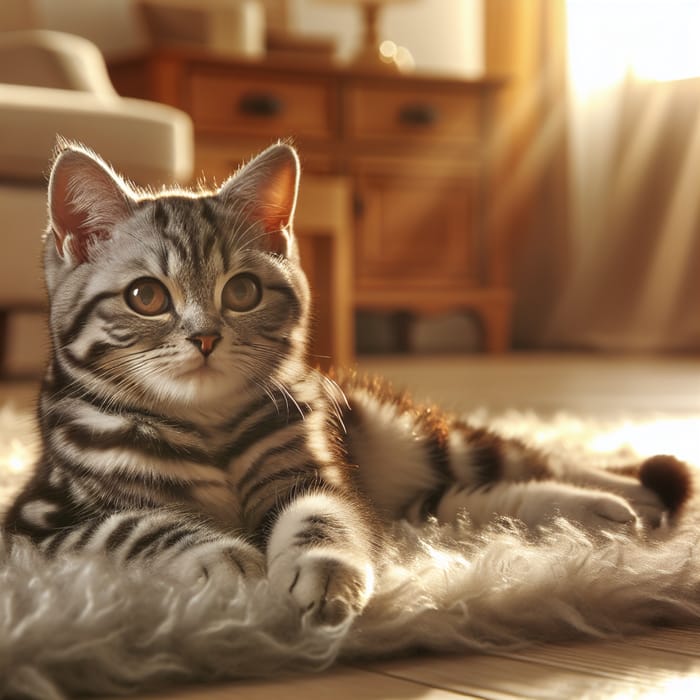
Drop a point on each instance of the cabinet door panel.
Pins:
(414, 230)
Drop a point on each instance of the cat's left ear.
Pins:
(268, 186)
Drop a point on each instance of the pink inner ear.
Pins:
(63, 220)
(267, 187)
(278, 242)
(85, 203)
(277, 199)
(70, 224)
(277, 196)
(79, 244)
(275, 226)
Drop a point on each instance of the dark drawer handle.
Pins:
(260, 105)
(418, 115)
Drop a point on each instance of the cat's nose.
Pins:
(205, 342)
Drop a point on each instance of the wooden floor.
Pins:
(665, 664)
(589, 384)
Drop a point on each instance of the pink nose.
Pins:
(205, 343)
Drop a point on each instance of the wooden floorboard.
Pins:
(678, 641)
(662, 664)
(591, 384)
(628, 669)
(501, 678)
(342, 683)
(613, 660)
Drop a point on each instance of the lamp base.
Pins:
(370, 55)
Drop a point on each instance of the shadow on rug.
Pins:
(79, 625)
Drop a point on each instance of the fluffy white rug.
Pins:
(80, 626)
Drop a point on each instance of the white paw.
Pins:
(246, 560)
(226, 558)
(322, 584)
(646, 504)
(600, 511)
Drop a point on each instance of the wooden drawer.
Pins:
(375, 113)
(254, 105)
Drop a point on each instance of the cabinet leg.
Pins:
(496, 322)
(402, 322)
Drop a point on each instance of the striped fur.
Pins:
(181, 424)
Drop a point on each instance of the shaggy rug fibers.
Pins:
(78, 625)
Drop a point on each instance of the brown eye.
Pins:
(148, 297)
(241, 293)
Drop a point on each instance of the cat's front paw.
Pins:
(323, 584)
(226, 558)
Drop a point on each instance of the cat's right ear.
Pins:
(86, 200)
(268, 187)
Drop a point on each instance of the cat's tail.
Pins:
(669, 478)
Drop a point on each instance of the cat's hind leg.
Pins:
(597, 499)
(655, 488)
(536, 503)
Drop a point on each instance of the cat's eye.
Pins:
(241, 293)
(148, 297)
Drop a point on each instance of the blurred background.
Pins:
(503, 179)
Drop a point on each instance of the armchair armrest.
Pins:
(148, 142)
(45, 58)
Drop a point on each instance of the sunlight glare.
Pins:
(647, 39)
(444, 560)
(675, 688)
(678, 436)
(17, 458)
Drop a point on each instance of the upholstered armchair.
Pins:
(54, 84)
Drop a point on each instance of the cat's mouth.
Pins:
(199, 369)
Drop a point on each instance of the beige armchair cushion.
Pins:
(45, 58)
(55, 84)
(148, 142)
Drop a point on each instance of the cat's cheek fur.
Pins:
(318, 556)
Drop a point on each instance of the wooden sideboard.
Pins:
(413, 148)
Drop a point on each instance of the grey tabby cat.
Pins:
(181, 424)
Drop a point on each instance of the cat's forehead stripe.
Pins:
(207, 210)
(189, 226)
(161, 217)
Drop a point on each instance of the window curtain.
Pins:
(599, 186)
(525, 46)
(633, 281)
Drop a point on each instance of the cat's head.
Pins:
(175, 297)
